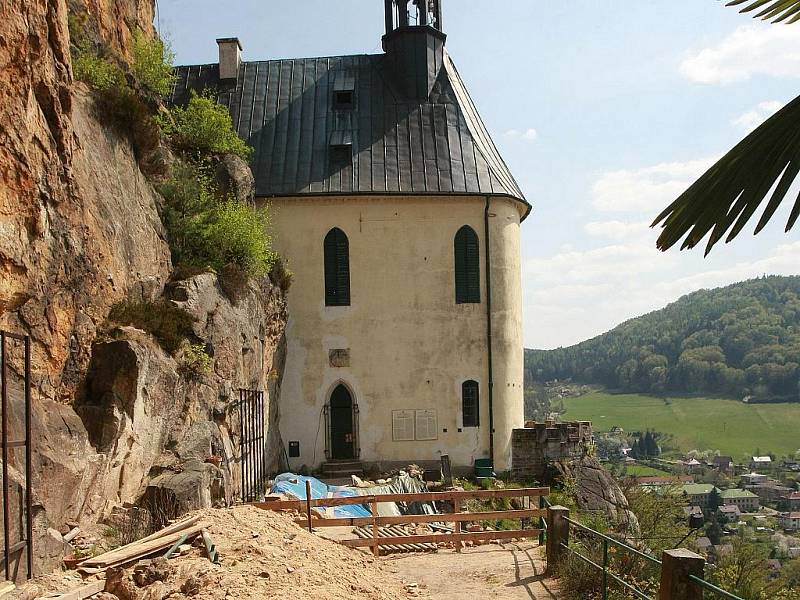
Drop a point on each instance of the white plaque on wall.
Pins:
(426, 424)
(403, 425)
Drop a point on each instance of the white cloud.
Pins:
(647, 189)
(617, 230)
(751, 119)
(572, 296)
(750, 50)
(529, 134)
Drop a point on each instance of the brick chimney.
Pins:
(230, 57)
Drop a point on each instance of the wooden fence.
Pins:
(456, 515)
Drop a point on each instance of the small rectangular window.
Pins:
(343, 100)
(340, 157)
(470, 405)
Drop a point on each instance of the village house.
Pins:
(697, 494)
(760, 462)
(401, 223)
(790, 502)
(744, 500)
(769, 491)
(789, 521)
(658, 481)
(752, 479)
(692, 465)
(730, 512)
(723, 463)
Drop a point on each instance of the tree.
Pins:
(714, 531)
(726, 196)
(714, 501)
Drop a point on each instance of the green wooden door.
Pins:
(342, 434)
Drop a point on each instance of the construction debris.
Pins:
(262, 554)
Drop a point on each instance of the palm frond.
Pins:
(777, 10)
(726, 196)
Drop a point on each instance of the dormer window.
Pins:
(343, 100)
(341, 157)
(344, 85)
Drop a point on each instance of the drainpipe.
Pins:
(488, 271)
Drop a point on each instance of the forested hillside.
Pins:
(740, 340)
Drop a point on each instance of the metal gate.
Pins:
(253, 444)
(22, 526)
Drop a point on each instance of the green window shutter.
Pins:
(467, 266)
(470, 404)
(337, 268)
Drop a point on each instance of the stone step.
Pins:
(342, 468)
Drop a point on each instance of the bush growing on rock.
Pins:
(99, 73)
(121, 101)
(206, 231)
(204, 125)
(195, 362)
(152, 63)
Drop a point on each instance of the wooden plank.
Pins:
(139, 549)
(418, 497)
(82, 592)
(175, 527)
(438, 518)
(375, 549)
(447, 538)
(6, 587)
(458, 507)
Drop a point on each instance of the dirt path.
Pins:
(509, 572)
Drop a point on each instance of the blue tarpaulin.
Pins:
(294, 486)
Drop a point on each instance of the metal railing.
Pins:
(606, 573)
(253, 444)
(712, 588)
(11, 549)
(608, 577)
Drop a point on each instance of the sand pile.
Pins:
(263, 554)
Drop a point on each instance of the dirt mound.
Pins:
(263, 554)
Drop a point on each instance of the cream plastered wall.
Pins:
(411, 346)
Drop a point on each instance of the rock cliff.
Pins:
(80, 232)
(596, 490)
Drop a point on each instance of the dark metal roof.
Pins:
(285, 110)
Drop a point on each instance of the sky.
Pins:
(605, 110)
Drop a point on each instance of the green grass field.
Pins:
(729, 426)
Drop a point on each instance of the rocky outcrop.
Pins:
(113, 413)
(595, 489)
(234, 177)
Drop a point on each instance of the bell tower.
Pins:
(414, 44)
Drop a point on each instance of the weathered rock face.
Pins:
(79, 232)
(234, 176)
(596, 490)
(79, 228)
(151, 421)
(114, 21)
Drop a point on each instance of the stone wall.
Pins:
(538, 445)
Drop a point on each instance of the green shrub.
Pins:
(169, 324)
(98, 72)
(207, 232)
(189, 201)
(238, 235)
(195, 362)
(152, 63)
(204, 125)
